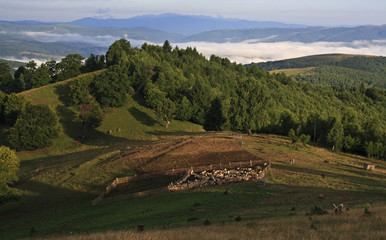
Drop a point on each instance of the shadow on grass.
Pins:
(63, 90)
(56, 210)
(74, 130)
(45, 210)
(142, 117)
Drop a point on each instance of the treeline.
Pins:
(182, 84)
(329, 70)
(32, 76)
(342, 77)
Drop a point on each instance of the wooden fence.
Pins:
(216, 166)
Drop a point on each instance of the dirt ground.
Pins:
(192, 152)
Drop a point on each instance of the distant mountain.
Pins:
(91, 35)
(304, 34)
(181, 24)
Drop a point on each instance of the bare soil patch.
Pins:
(193, 152)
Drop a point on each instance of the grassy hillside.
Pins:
(58, 184)
(56, 201)
(304, 62)
(136, 122)
(351, 225)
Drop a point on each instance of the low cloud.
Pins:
(243, 52)
(249, 51)
(102, 41)
(26, 60)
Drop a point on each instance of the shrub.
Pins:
(36, 127)
(9, 166)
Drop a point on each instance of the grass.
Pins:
(56, 199)
(294, 71)
(321, 59)
(353, 224)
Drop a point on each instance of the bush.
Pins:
(9, 166)
(36, 127)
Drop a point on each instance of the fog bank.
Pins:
(249, 51)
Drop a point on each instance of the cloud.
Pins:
(103, 40)
(242, 52)
(26, 60)
(249, 51)
(103, 13)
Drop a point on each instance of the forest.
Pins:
(341, 70)
(182, 84)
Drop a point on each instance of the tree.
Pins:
(40, 77)
(153, 96)
(69, 67)
(248, 111)
(90, 113)
(94, 63)
(119, 52)
(167, 48)
(3, 99)
(36, 127)
(184, 110)
(51, 67)
(287, 121)
(13, 106)
(165, 111)
(111, 86)
(5, 77)
(19, 84)
(9, 166)
(336, 135)
(79, 90)
(214, 118)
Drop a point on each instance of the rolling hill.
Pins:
(58, 184)
(333, 70)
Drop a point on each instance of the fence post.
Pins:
(211, 167)
(250, 162)
(220, 166)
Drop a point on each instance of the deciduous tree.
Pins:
(36, 127)
(9, 166)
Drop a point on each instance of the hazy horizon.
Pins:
(323, 13)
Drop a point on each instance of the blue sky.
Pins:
(310, 12)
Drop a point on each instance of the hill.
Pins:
(136, 122)
(59, 183)
(304, 62)
(66, 183)
(13, 64)
(333, 70)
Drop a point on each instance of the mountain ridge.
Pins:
(176, 23)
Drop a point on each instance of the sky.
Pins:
(307, 12)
